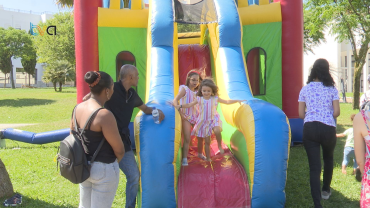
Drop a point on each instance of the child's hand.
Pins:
(240, 101)
(177, 107)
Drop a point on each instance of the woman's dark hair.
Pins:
(190, 74)
(98, 81)
(320, 70)
(209, 83)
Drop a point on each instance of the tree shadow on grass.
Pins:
(31, 202)
(337, 198)
(22, 102)
(68, 91)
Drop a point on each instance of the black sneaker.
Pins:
(358, 175)
(14, 201)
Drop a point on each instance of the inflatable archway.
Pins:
(266, 37)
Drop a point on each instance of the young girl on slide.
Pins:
(208, 119)
(187, 94)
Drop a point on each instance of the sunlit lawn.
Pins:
(34, 175)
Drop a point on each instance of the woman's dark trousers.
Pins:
(316, 134)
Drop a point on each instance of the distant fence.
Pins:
(25, 11)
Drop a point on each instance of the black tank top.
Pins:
(92, 140)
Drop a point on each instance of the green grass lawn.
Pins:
(32, 168)
(34, 175)
(345, 188)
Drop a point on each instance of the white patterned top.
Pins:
(319, 102)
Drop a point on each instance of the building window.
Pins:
(256, 64)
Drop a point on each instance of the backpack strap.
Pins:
(88, 122)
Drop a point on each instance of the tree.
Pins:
(60, 46)
(348, 20)
(29, 63)
(6, 187)
(64, 3)
(182, 28)
(313, 31)
(6, 66)
(13, 44)
(59, 72)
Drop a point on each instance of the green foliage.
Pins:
(64, 3)
(13, 43)
(347, 20)
(59, 72)
(313, 31)
(60, 46)
(29, 63)
(182, 28)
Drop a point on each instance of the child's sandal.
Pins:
(201, 156)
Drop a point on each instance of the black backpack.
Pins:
(366, 105)
(72, 160)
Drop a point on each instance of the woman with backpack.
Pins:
(319, 107)
(100, 188)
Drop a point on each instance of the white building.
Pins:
(20, 19)
(340, 58)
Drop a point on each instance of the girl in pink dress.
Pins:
(187, 94)
(208, 119)
(361, 135)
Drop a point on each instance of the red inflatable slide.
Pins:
(222, 182)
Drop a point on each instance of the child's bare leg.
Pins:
(200, 145)
(217, 132)
(200, 148)
(186, 128)
(344, 169)
(207, 145)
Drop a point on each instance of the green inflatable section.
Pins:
(268, 37)
(112, 41)
(232, 137)
(235, 140)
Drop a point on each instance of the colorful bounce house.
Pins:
(251, 48)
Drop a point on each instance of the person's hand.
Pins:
(161, 115)
(177, 107)
(240, 101)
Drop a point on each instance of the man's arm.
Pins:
(148, 110)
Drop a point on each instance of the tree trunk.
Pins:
(12, 79)
(6, 187)
(55, 86)
(356, 87)
(5, 81)
(60, 86)
(29, 80)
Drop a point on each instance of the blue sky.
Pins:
(34, 5)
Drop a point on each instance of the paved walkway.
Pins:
(5, 126)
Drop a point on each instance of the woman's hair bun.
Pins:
(90, 77)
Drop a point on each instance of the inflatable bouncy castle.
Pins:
(251, 48)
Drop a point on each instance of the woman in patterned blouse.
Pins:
(319, 107)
